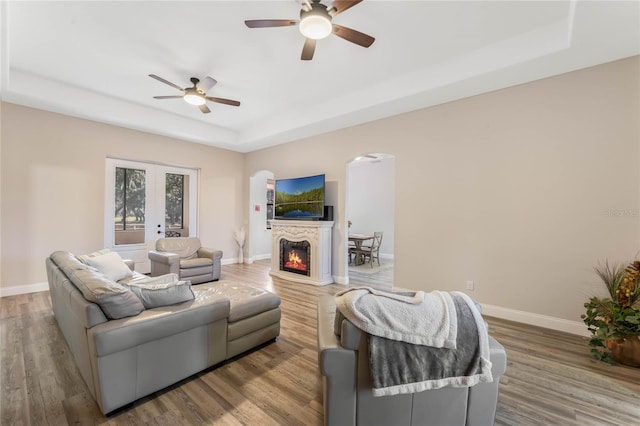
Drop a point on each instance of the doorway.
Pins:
(260, 215)
(144, 202)
(370, 203)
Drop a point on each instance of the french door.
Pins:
(144, 202)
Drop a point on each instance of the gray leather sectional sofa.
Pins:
(347, 389)
(125, 351)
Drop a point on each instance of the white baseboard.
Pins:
(247, 260)
(259, 257)
(23, 289)
(338, 279)
(559, 324)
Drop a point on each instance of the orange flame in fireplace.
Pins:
(295, 262)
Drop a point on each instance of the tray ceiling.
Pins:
(92, 59)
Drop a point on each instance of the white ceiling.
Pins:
(92, 59)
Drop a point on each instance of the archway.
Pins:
(259, 203)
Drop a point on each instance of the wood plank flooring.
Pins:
(383, 279)
(551, 378)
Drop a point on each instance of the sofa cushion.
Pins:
(111, 265)
(159, 291)
(185, 247)
(245, 301)
(195, 263)
(115, 300)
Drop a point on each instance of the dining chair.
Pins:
(351, 247)
(371, 252)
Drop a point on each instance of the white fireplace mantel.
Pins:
(318, 234)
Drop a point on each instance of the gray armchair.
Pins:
(347, 388)
(186, 257)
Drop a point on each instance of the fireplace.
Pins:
(301, 251)
(295, 256)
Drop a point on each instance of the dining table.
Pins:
(358, 239)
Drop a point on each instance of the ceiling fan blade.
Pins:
(168, 97)
(342, 5)
(308, 49)
(166, 82)
(306, 5)
(267, 23)
(222, 101)
(353, 36)
(207, 84)
(205, 109)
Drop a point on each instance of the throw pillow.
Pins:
(110, 265)
(84, 258)
(161, 291)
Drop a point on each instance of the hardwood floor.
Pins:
(381, 278)
(551, 378)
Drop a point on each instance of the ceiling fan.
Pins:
(315, 24)
(196, 95)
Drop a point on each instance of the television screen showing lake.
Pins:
(300, 197)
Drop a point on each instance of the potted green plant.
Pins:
(614, 322)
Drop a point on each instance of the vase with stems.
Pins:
(239, 235)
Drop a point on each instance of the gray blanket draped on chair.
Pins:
(419, 356)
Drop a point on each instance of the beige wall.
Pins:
(52, 175)
(522, 190)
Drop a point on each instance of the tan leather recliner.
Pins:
(186, 257)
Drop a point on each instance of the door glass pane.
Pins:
(129, 215)
(174, 205)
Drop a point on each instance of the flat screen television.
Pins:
(300, 198)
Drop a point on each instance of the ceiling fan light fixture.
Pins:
(193, 97)
(316, 24)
